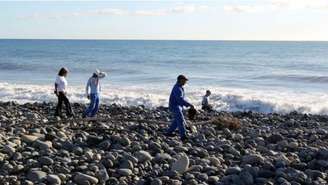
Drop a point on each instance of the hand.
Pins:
(56, 93)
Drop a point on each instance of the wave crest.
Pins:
(223, 99)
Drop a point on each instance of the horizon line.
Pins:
(119, 39)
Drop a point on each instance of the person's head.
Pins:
(182, 80)
(63, 72)
(95, 75)
(208, 93)
(99, 74)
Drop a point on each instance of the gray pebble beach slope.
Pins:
(36, 148)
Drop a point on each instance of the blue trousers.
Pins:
(178, 122)
(93, 108)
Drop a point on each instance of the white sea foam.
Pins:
(224, 99)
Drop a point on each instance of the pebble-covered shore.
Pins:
(36, 148)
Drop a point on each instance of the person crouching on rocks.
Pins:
(93, 89)
(176, 103)
(60, 91)
(205, 103)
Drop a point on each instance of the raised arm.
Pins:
(102, 75)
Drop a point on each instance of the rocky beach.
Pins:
(37, 148)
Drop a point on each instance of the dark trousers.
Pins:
(62, 98)
(178, 122)
(207, 108)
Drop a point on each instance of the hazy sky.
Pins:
(210, 20)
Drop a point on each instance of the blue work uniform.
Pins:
(176, 103)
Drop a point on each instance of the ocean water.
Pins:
(242, 75)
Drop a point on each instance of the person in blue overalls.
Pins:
(93, 89)
(176, 103)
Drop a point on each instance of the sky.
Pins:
(168, 20)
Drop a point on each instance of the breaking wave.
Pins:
(223, 99)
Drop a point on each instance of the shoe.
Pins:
(70, 116)
(58, 116)
(184, 138)
(169, 134)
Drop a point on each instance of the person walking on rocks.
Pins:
(60, 91)
(93, 89)
(176, 103)
(205, 103)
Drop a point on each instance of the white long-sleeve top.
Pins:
(61, 84)
(93, 85)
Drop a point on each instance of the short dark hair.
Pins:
(182, 77)
(62, 71)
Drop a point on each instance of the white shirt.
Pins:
(61, 84)
(94, 84)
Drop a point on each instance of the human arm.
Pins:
(87, 89)
(179, 94)
(102, 75)
(55, 91)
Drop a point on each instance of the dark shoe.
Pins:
(169, 134)
(184, 138)
(70, 116)
(58, 115)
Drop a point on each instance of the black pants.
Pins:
(207, 108)
(62, 98)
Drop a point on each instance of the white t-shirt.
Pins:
(61, 84)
